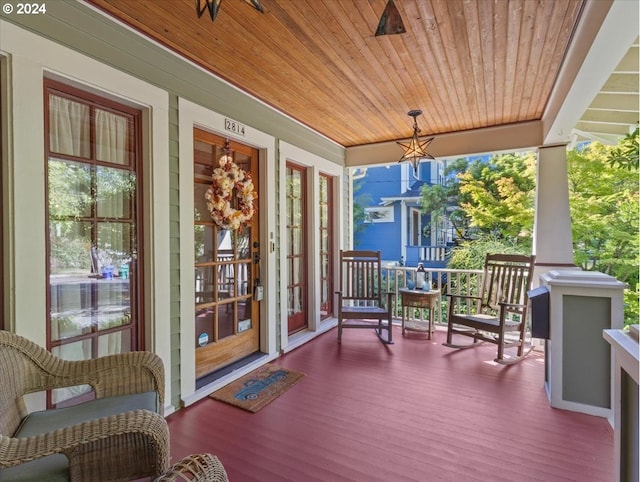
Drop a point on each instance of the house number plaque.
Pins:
(233, 126)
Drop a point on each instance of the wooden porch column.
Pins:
(552, 239)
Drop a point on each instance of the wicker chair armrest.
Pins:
(84, 442)
(196, 467)
(120, 374)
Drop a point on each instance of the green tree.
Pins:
(494, 198)
(471, 254)
(625, 155)
(497, 199)
(500, 196)
(443, 201)
(604, 202)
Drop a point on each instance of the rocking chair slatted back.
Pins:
(360, 297)
(500, 307)
(361, 274)
(506, 279)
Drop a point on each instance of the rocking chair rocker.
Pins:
(499, 313)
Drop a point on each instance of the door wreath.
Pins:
(229, 182)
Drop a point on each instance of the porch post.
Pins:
(552, 239)
(403, 231)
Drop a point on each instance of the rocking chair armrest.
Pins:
(466, 297)
(512, 306)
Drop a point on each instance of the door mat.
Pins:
(258, 388)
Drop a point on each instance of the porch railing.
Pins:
(435, 254)
(454, 281)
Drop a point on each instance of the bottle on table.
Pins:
(420, 276)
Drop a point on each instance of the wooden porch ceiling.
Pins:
(467, 65)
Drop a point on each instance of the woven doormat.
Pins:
(258, 388)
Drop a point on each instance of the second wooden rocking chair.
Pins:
(361, 299)
(499, 313)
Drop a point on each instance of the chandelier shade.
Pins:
(416, 149)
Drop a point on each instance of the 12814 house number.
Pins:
(234, 126)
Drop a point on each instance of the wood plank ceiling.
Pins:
(466, 64)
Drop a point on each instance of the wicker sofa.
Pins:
(121, 435)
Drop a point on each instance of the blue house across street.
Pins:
(394, 222)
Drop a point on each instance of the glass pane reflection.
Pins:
(115, 190)
(225, 320)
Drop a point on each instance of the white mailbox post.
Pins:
(578, 360)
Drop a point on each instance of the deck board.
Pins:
(413, 411)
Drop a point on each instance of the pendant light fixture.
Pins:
(213, 6)
(415, 149)
(390, 21)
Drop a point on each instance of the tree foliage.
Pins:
(443, 200)
(625, 155)
(604, 202)
(481, 199)
(499, 196)
(471, 254)
(495, 201)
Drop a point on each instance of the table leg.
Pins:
(432, 313)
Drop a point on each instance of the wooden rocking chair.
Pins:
(499, 313)
(360, 298)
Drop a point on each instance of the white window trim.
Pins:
(315, 165)
(30, 59)
(413, 232)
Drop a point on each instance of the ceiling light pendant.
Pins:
(415, 149)
(390, 21)
(213, 6)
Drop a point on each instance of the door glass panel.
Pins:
(114, 305)
(226, 287)
(70, 266)
(114, 245)
(203, 250)
(69, 127)
(225, 319)
(326, 255)
(118, 342)
(204, 326)
(296, 255)
(297, 240)
(69, 185)
(243, 243)
(112, 137)
(204, 284)
(115, 188)
(200, 203)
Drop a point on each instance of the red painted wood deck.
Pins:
(412, 411)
